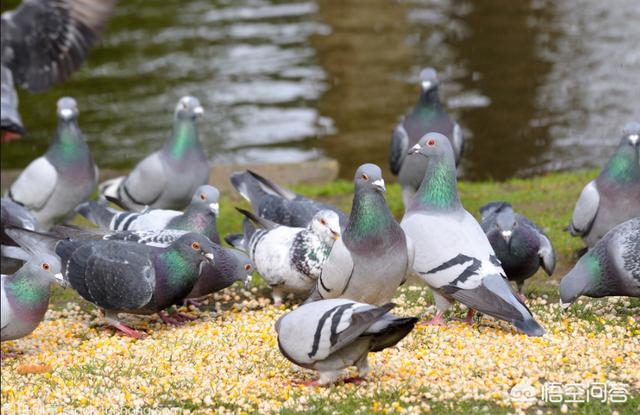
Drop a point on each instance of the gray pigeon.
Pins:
(520, 245)
(452, 253)
(199, 216)
(278, 204)
(167, 178)
(54, 184)
(614, 196)
(373, 257)
(610, 268)
(289, 259)
(44, 42)
(128, 277)
(428, 115)
(331, 335)
(25, 296)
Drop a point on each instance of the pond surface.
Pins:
(537, 85)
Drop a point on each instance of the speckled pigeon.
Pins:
(373, 257)
(289, 259)
(25, 295)
(199, 216)
(614, 196)
(520, 245)
(167, 178)
(127, 277)
(44, 42)
(53, 185)
(452, 253)
(278, 204)
(610, 268)
(331, 335)
(428, 115)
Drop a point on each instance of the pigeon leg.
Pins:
(306, 382)
(363, 366)
(191, 301)
(112, 320)
(277, 297)
(10, 136)
(520, 294)
(182, 317)
(168, 320)
(437, 320)
(354, 379)
(469, 318)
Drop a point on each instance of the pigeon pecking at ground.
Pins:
(614, 196)
(331, 335)
(289, 259)
(167, 178)
(278, 204)
(51, 186)
(373, 257)
(452, 253)
(428, 115)
(520, 245)
(610, 268)
(44, 42)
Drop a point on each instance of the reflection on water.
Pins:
(537, 85)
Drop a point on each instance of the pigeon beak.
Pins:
(415, 149)
(66, 113)
(335, 235)
(60, 280)
(507, 236)
(379, 184)
(209, 257)
(214, 207)
(634, 139)
(564, 306)
(247, 282)
(426, 85)
(198, 111)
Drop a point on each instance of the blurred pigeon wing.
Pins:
(336, 271)
(35, 185)
(146, 183)
(458, 142)
(585, 210)
(547, 254)
(399, 148)
(9, 104)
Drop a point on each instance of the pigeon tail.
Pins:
(395, 330)
(492, 207)
(67, 231)
(252, 186)
(236, 240)
(262, 222)
(110, 189)
(97, 212)
(530, 327)
(33, 242)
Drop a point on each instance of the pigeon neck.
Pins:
(623, 166)
(29, 291)
(429, 101)
(369, 215)
(197, 219)
(593, 268)
(67, 143)
(438, 190)
(180, 270)
(183, 137)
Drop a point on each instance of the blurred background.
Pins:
(536, 85)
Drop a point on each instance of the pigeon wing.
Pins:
(585, 211)
(146, 183)
(547, 254)
(336, 271)
(399, 148)
(35, 185)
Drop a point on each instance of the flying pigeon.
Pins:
(428, 115)
(289, 259)
(44, 42)
(373, 256)
(127, 277)
(54, 184)
(278, 204)
(25, 295)
(331, 335)
(614, 196)
(610, 268)
(167, 178)
(452, 253)
(199, 216)
(520, 245)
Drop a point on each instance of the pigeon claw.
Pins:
(168, 319)
(354, 379)
(191, 301)
(522, 297)
(306, 382)
(128, 331)
(437, 320)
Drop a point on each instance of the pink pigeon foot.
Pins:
(168, 319)
(306, 382)
(354, 379)
(182, 317)
(191, 301)
(468, 319)
(437, 320)
(522, 297)
(127, 331)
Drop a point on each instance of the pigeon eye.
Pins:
(431, 142)
(247, 267)
(202, 196)
(364, 177)
(323, 222)
(45, 266)
(195, 246)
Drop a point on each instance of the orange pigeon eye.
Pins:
(431, 142)
(195, 246)
(247, 267)
(202, 196)
(364, 177)
(45, 266)
(323, 222)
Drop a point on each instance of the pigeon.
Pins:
(452, 253)
(120, 276)
(331, 335)
(428, 115)
(278, 204)
(199, 216)
(520, 245)
(44, 42)
(372, 258)
(167, 178)
(53, 185)
(614, 196)
(13, 214)
(610, 268)
(25, 295)
(289, 259)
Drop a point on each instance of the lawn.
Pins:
(228, 360)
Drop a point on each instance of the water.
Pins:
(537, 86)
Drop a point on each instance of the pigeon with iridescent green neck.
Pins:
(614, 196)
(53, 185)
(25, 295)
(167, 178)
(610, 268)
(428, 115)
(372, 258)
(452, 253)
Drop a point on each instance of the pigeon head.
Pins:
(432, 146)
(581, 280)
(47, 268)
(326, 224)
(207, 195)
(244, 269)
(67, 109)
(369, 177)
(196, 246)
(188, 108)
(428, 79)
(631, 134)
(506, 223)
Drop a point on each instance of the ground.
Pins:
(228, 360)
